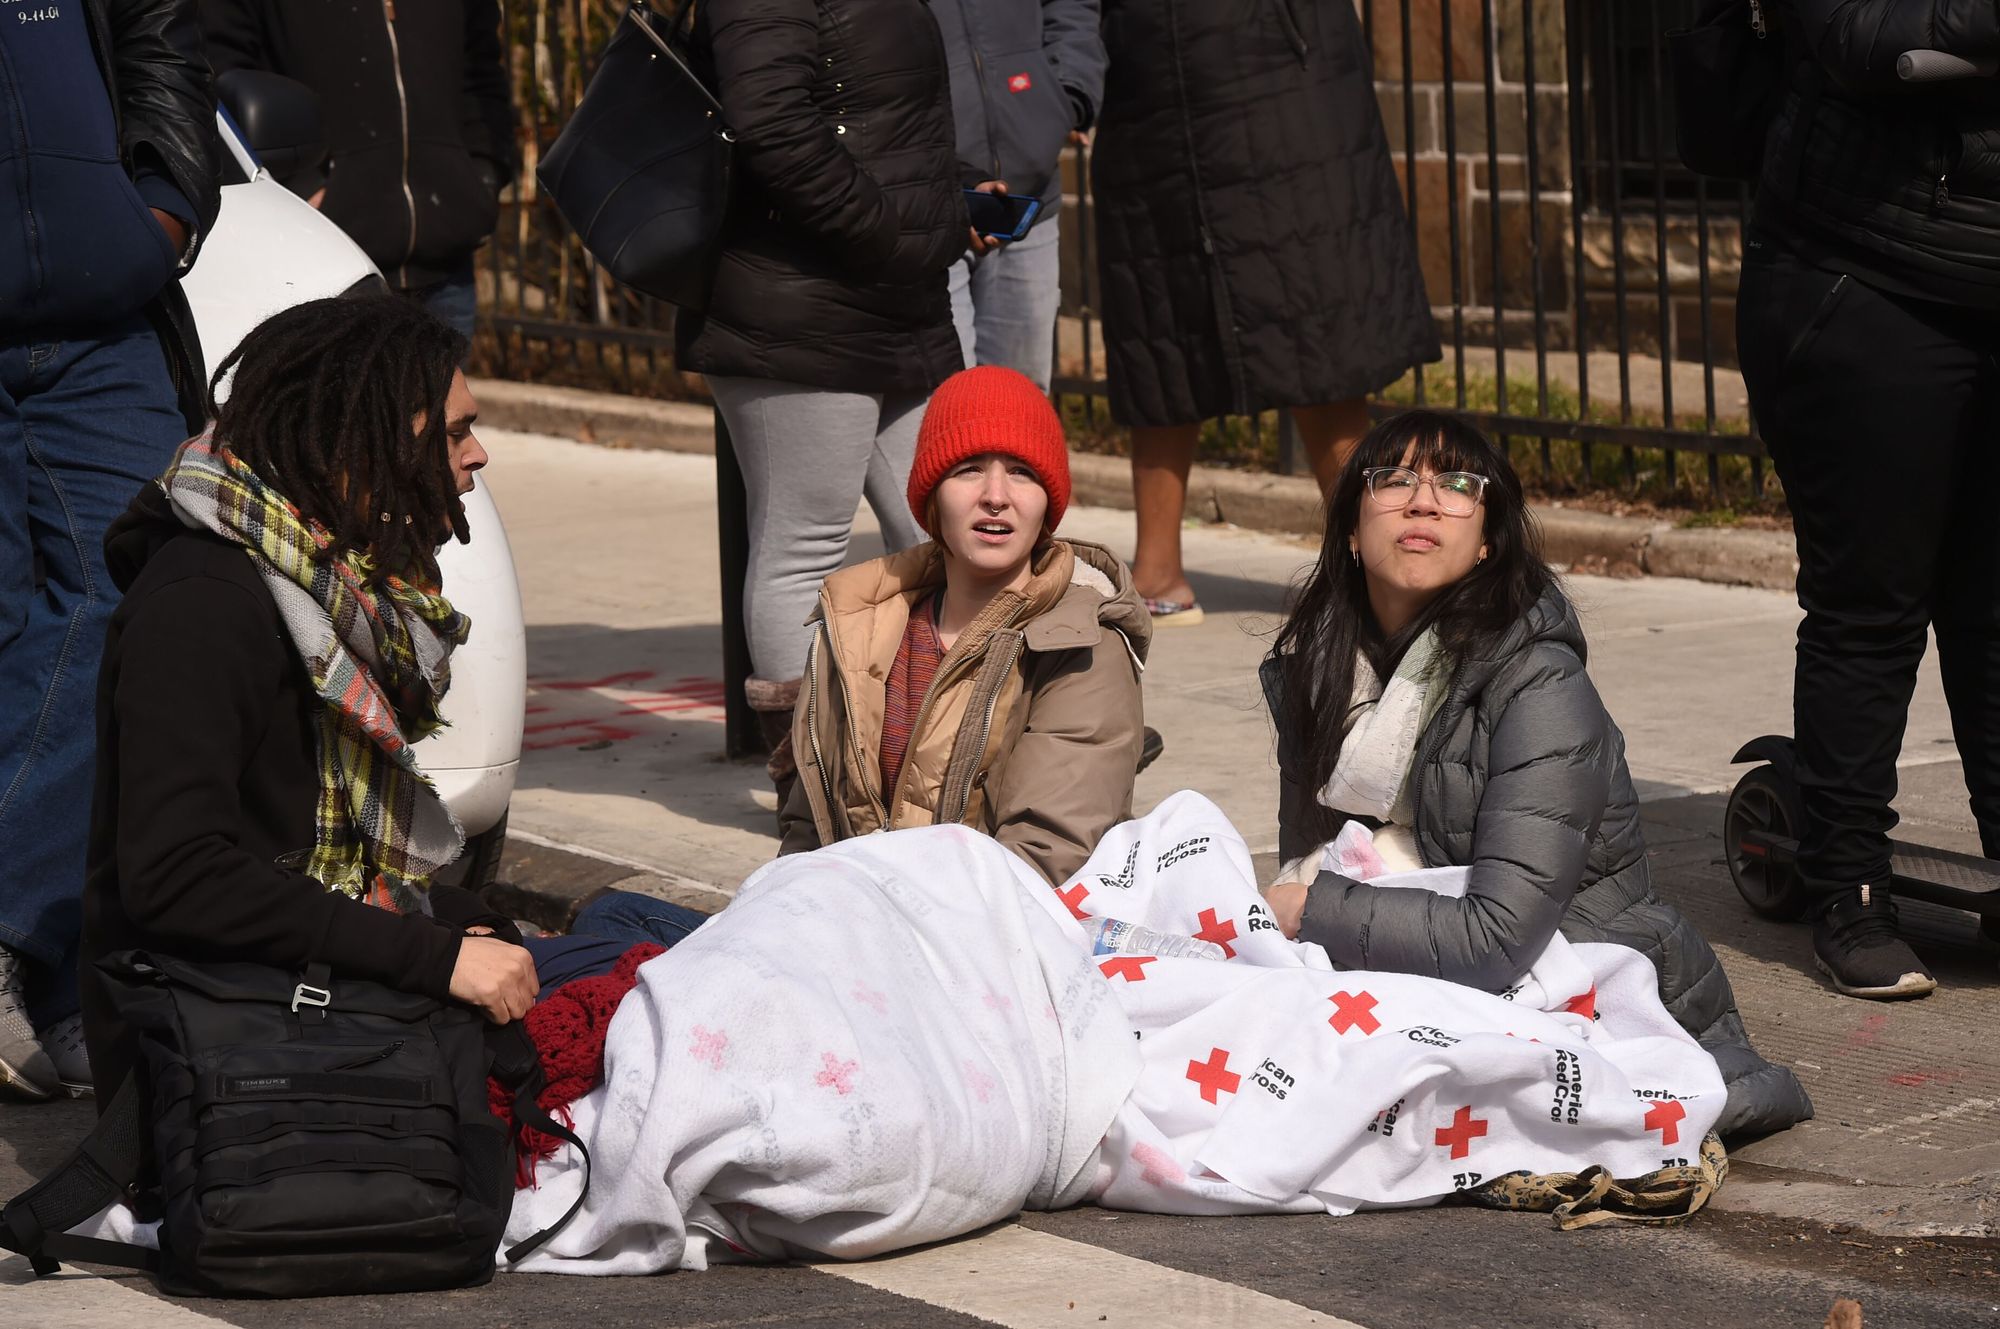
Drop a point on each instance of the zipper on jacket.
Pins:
(812, 732)
(956, 799)
(979, 69)
(402, 120)
(938, 681)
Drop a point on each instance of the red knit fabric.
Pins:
(990, 409)
(917, 659)
(567, 1028)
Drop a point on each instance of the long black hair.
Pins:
(1330, 622)
(321, 408)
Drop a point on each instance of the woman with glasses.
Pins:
(1430, 684)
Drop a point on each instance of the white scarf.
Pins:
(1372, 777)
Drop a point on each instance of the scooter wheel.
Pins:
(1763, 800)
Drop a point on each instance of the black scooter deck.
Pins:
(1947, 875)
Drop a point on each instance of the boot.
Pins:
(1856, 945)
(774, 703)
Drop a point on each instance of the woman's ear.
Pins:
(1482, 553)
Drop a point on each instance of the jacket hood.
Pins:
(140, 532)
(1096, 595)
(1100, 595)
(1551, 619)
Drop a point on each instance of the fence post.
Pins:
(741, 734)
(1288, 443)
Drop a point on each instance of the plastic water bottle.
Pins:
(1114, 936)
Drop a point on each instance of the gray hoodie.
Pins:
(1024, 73)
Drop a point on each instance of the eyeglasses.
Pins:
(1458, 492)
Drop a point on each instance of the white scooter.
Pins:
(270, 250)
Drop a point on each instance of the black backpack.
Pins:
(298, 1136)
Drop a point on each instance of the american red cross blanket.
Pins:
(903, 1038)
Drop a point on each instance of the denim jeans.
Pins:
(85, 422)
(1004, 303)
(454, 301)
(604, 930)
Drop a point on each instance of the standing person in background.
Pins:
(829, 321)
(109, 181)
(1869, 321)
(1253, 251)
(418, 120)
(1026, 77)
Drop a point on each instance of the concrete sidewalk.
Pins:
(623, 781)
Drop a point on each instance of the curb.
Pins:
(1254, 500)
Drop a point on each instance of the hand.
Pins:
(479, 930)
(986, 244)
(1287, 902)
(176, 229)
(1080, 137)
(496, 976)
(318, 197)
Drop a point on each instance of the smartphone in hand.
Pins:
(1001, 216)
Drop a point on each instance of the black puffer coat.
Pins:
(149, 53)
(1522, 747)
(419, 122)
(1252, 251)
(848, 211)
(1865, 174)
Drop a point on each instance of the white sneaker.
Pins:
(25, 1069)
(63, 1041)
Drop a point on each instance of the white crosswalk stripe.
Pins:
(1025, 1279)
(76, 1300)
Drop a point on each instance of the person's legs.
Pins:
(805, 455)
(1015, 292)
(631, 917)
(1329, 432)
(1161, 458)
(1968, 605)
(1862, 415)
(88, 423)
(888, 481)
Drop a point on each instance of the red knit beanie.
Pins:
(990, 409)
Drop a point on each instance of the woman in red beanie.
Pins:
(989, 677)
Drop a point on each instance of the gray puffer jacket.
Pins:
(1523, 750)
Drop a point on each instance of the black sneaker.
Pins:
(1857, 948)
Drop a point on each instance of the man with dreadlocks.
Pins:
(281, 644)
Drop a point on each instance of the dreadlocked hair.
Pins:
(323, 407)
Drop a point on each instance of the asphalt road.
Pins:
(622, 783)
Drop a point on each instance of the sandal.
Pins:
(1173, 613)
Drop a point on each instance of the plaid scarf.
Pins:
(379, 659)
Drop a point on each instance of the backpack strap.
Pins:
(516, 1063)
(36, 1222)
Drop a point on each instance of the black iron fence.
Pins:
(1583, 281)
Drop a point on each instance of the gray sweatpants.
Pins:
(809, 456)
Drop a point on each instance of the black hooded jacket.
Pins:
(415, 104)
(1895, 183)
(848, 210)
(206, 776)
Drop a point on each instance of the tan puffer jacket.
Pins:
(1032, 727)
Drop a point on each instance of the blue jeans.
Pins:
(1004, 303)
(604, 930)
(84, 424)
(454, 301)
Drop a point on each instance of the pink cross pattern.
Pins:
(1157, 1166)
(838, 1075)
(868, 996)
(981, 1084)
(708, 1046)
(996, 1002)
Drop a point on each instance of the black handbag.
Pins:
(296, 1136)
(1729, 76)
(642, 172)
